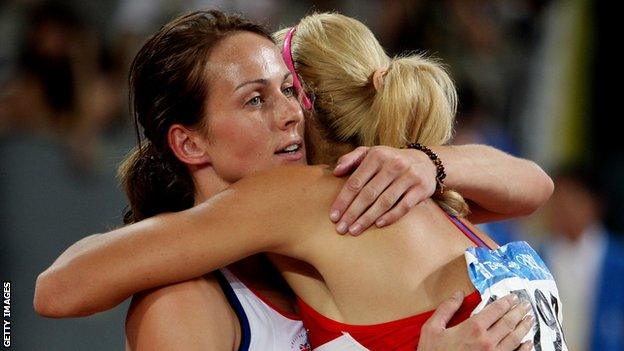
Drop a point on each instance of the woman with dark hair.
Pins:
(217, 104)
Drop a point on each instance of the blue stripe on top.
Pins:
(238, 309)
(468, 232)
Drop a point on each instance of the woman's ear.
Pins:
(187, 145)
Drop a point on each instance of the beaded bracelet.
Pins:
(440, 173)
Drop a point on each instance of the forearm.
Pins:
(498, 185)
(101, 271)
(52, 293)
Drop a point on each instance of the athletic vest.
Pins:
(512, 268)
(326, 334)
(263, 326)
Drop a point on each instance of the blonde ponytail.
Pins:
(416, 103)
(337, 56)
(452, 202)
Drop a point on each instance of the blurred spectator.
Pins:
(587, 262)
(59, 88)
(477, 123)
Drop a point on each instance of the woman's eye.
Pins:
(289, 91)
(255, 101)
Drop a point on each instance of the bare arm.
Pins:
(498, 185)
(388, 182)
(73, 286)
(193, 315)
(99, 272)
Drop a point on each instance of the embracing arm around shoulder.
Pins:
(388, 182)
(267, 212)
(497, 185)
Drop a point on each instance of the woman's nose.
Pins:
(289, 114)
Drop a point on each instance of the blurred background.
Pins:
(534, 79)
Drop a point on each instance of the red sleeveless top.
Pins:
(402, 334)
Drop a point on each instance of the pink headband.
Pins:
(287, 55)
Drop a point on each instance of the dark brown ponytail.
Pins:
(154, 183)
(169, 85)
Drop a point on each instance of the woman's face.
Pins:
(255, 121)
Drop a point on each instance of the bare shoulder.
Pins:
(295, 174)
(295, 180)
(192, 315)
(303, 192)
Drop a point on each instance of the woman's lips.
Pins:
(291, 156)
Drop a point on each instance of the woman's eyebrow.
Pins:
(262, 81)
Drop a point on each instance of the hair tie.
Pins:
(378, 77)
(287, 56)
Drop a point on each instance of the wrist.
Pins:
(440, 171)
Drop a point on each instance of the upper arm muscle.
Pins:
(193, 315)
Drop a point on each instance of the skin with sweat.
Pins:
(253, 114)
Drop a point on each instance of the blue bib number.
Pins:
(517, 268)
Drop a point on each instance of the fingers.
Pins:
(411, 189)
(349, 161)
(399, 198)
(504, 328)
(526, 346)
(385, 185)
(512, 340)
(411, 198)
(361, 213)
(443, 314)
(356, 182)
(496, 310)
(381, 194)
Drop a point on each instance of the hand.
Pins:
(500, 326)
(385, 185)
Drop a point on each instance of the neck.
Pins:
(329, 153)
(207, 183)
(322, 151)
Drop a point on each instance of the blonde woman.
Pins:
(391, 273)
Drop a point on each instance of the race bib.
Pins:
(517, 268)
